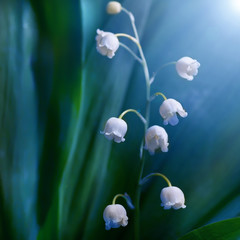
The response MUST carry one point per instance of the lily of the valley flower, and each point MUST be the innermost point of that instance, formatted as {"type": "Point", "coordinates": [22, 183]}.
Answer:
{"type": "Point", "coordinates": [107, 43]}
{"type": "Point", "coordinates": [115, 129]}
{"type": "Point", "coordinates": [172, 197]}
{"type": "Point", "coordinates": [155, 138]}
{"type": "Point", "coordinates": [169, 109]}
{"type": "Point", "coordinates": [114, 7]}
{"type": "Point", "coordinates": [115, 215]}
{"type": "Point", "coordinates": [187, 68]}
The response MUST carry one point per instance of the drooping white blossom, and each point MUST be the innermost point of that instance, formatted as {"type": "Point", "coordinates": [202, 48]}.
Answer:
{"type": "Point", "coordinates": [115, 215]}
{"type": "Point", "coordinates": [156, 138]}
{"type": "Point", "coordinates": [169, 110]}
{"type": "Point", "coordinates": [172, 197]}
{"type": "Point", "coordinates": [115, 129]}
{"type": "Point", "coordinates": [187, 68]}
{"type": "Point", "coordinates": [114, 7]}
{"type": "Point", "coordinates": [107, 43]}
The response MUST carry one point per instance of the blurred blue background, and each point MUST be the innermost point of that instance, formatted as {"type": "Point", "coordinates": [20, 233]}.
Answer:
{"type": "Point", "coordinates": [56, 92]}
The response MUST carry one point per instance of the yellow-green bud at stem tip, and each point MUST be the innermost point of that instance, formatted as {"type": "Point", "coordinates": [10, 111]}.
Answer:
{"type": "Point", "coordinates": [114, 7]}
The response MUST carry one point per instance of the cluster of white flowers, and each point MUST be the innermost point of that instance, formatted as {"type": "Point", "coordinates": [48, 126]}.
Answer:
{"type": "Point", "coordinates": [156, 138]}
{"type": "Point", "coordinates": [115, 215]}
{"type": "Point", "coordinates": [107, 44]}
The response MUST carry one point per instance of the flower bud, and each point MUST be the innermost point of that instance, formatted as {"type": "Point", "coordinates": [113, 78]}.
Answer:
{"type": "Point", "coordinates": [155, 138]}
{"type": "Point", "coordinates": [114, 7]}
{"type": "Point", "coordinates": [115, 129]}
{"type": "Point", "coordinates": [169, 109]}
{"type": "Point", "coordinates": [187, 68]}
{"type": "Point", "coordinates": [115, 215]}
{"type": "Point", "coordinates": [172, 197]}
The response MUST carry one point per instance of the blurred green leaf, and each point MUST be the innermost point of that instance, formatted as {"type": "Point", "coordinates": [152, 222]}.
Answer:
{"type": "Point", "coordinates": [18, 140]}
{"type": "Point", "coordinates": [227, 229]}
{"type": "Point", "coordinates": [60, 39]}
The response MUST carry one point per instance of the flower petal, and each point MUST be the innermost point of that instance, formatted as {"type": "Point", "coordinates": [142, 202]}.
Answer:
{"type": "Point", "coordinates": [173, 120]}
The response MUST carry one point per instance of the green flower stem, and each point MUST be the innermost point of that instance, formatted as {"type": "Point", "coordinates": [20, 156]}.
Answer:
{"type": "Point", "coordinates": [145, 179]}
{"type": "Point", "coordinates": [132, 22]}
{"type": "Point", "coordinates": [137, 113]}
{"type": "Point", "coordinates": [137, 199]}
{"type": "Point", "coordinates": [115, 198]}
{"type": "Point", "coordinates": [147, 115]}
{"type": "Point", "coordinates": [142, 159]}
{"type": "Point", "coordinates": [131, 52]}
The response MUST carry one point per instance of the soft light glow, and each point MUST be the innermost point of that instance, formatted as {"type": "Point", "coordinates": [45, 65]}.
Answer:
{"type": "Point", "coordinates": [236, 5]}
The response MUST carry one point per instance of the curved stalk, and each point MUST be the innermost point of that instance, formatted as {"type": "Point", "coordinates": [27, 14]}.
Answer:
{"type": "Point", "coordinates": [129, 37]}
{"type": "Point", "coordinates": [165, 65]}
{"type": "Point", "coordinates": [136, 112]}
{"type": "Point", "coordinates": [159, 94]}
{"type": "Point", "coordinates": [145, 179]}
{"type": "Point", "coordinates": [131, 52]}
{"type": "Point", "coordinates": [160, 68]}
{"type": "Point", "coordinates": [115, 198]}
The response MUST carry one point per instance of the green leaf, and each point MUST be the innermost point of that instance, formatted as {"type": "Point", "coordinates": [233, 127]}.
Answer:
{"type": "Point", "coordinates": [227, 229]}
{"type": "Point", "coordinates": [18, 139]}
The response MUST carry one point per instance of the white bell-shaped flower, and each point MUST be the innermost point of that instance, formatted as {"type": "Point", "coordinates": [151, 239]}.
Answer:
{"type": "Point", "coordinates": [169, 110]}
{"type": "Point", "coordinates": [172, 197]}
{"type": "Point", "coordinates": [115, 129]}
{"type": "Point", "coordinates": [187, 67]}
{"type": "Point", "coordinates": [115, 215]}
{"type": "Point", "coordinates": [107, 43]}
{"type": "Point", "coordinates": [155, 138]}
{"type": "Point", "coordinates": [114, 7]}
